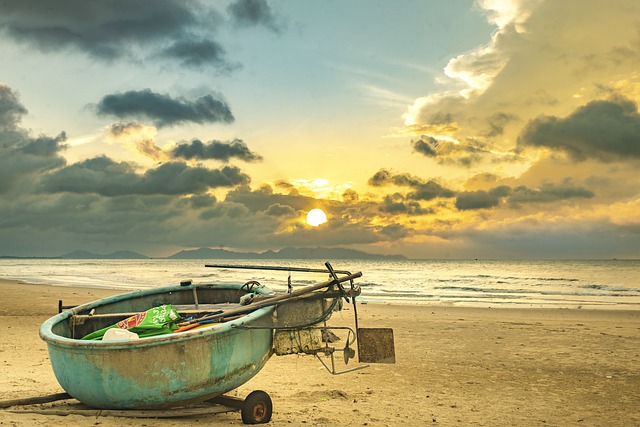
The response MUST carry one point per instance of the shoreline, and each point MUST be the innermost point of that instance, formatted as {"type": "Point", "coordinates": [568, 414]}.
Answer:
{"type": "Point", "coordinates": [551, 284]}
{"type": "Point", "coordinates": [455, 366]}
{"type": "Point", "coordinates": [364, 300]}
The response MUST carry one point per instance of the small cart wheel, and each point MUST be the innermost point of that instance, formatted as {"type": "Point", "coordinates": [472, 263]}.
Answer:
{"type": "Point", "coordinates": [257, 408]}
{"type": "Point", "coordinates": [249, 286]}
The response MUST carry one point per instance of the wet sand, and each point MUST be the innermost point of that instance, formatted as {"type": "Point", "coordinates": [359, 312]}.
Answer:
{"type": "Point", "coordinates": [455, 366]}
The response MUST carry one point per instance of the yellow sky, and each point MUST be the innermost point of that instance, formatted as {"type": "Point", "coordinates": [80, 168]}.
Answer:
{"type": "Point", "coordinates": [503, 129]}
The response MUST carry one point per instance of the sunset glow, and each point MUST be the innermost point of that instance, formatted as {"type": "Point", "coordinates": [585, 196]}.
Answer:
{"type": "Point", "coordinates": [517, 137]}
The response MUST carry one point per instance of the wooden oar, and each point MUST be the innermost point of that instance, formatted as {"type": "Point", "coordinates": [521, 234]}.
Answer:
{"type": "Point", "coordinates": [272, 300]}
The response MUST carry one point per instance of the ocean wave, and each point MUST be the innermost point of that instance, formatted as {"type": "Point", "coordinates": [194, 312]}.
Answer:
{"type": "Point", "coordinates": [567, 284]}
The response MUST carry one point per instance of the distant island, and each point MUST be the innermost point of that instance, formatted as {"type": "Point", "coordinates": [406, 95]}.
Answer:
{"type": "Point", "coordinates": [286, 253]}
{"type": "Point", "coordinates": [114, 255]}
{"type": "Point", "coordinates": [208, 253]}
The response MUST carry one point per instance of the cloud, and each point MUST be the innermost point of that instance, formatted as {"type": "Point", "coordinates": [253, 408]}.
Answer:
{"type": "Point", "coordinates": [564, 238]}
{"type": "Point", "coordinates": [23, 157]}
{"type": "Point", "coordinates": [423, 190]}
{"type": "Point", "coordinates": [481, 199]}
{"type": "Point", "coordinates": [397, 204]}
{"type": "Point", "coordinates": [97, 199]}
{"type": "Point", "coordinates": [350, 196]}
{"type": "Point", "coordinates": [386, 177]}
{"type": "Point", "coordinates": [604, 130]}
{"type": "Point", "coordinates": [349, 222]}
{"type": "Point", "coordinates": [11, 110]}
{"type": "Point", "coordinates": [263, 198]}
{"type": "Point", "coordinates": [426, 146]}
{"type": "Point", "coordinates": [548, 193]}
{"type": "Point", "coordinates": [497, 123]}
{"type": "Point", "coordinates": [542, 59]}
{"type": "Point", "coordinates": [105, 177]}
{"type": "Point", "coordinates": [119, 29]}
{"type": "Point", "coordinates": [251, 13]}
{"type": "Point", "coordinates": [164, 110]}
{"type": "Point", "coordinates": [280, 210]}
{"type": "Point", "coordinates": [519, 195]}
{"type": "Point", "coordinates": [465, 154]}
{"type": "Point", "coordinates": [215, 150]}
{"type": "Point", "coordinates": [200, 201]}
{"type": "Point", "coordinates": [198, 53]}
{"type": "Point", "coordinates": [396, 231]}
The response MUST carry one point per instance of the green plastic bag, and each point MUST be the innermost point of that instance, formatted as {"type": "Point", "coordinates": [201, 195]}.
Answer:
{"type": "Point", "coordinates": [155, 321]}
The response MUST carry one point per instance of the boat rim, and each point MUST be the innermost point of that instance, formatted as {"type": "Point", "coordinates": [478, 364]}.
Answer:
{"type": "Point", "coordinates": [47, 334]}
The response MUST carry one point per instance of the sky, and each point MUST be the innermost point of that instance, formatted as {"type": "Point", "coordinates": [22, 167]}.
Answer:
{"type": "Point", "coordinates": [425, 128]}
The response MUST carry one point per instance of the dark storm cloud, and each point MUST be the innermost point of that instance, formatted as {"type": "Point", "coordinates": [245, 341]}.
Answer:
{"type": "Point", "coordinates": [164, 110]}
{"type": "Point", "coordinates": [105, 177]}
{"type": "Point", "coordinates": [604, 130]}
{"type": "Point", "coordinates": [22, 156]}
{"type": "Point", "coordinates": [198, 53]}
{"type": "Point", "coordinates": [216, 150]}
{"type": "Point", "coordinates": [480, 199]}
{"type": "Point", "coordinates": [11, 110]}
{"type": "Point", "coordinates": [280, 210]}
{"type": "Point", "coordinates": [423, 190]}
{"type": "Point", "coordinates": [202, 201]}
{"type": "Point", "coordinates": [548, 193]}
{"type": "Point", "coordinates": [517, 196]}
{"type": "Point", "coordinates": [44, 146]}
{"type": "Point", "coordinates": [396, 204]}
{"type": "Point", "coordinates": [385, 177]}
{"type": "Point", "coordinates": [430, 190]}
{"type": "Point", "coordinates": [426, 146]}
{"type": "Point", "coordinates": [116, 29]}
{"type": "Point", "coordinates": [251, 13]}
{"type": "Point", "coordinates": [263, 198]}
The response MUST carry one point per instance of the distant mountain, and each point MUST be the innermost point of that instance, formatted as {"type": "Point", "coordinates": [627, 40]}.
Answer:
{"type": "Point", "coordinates": [114, 255]}
{"type": "Point", "coordinates": [325, 253]}
{"type": "Point", "coordinates": [208, 253]}
{"type": "Point", "coordinates": [126, 255]}
{"type": "Point", "coordinates": [205, 253]}
{"type": "Point", "coordinates": [286, 253]}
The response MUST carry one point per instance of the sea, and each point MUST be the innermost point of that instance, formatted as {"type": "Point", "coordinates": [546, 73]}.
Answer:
{"type": "Point", "coordinates": [575, 284]}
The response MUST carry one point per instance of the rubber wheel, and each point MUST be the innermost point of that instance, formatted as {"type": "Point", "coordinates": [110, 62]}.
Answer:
{"type": "Point", "coordinates": [257, 408]}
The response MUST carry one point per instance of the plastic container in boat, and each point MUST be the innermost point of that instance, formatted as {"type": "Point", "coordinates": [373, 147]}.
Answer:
{"type": "Point", "coordinates": [117, 334]}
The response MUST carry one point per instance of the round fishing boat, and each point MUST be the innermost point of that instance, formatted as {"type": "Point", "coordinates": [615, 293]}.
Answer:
{"type": "Point", "coordinates": [159, 371]}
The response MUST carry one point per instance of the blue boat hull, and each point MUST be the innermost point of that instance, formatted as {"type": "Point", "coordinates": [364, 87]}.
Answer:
{"type": "Point", "coordinates": [163, 371]}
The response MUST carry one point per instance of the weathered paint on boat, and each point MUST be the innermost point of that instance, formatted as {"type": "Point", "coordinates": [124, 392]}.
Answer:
{"type": "Point", "coordinates": [162, 371]}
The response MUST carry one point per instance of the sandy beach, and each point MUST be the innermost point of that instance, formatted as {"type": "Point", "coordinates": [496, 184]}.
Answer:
{"type": "Point", "coordinates": [455, 366]}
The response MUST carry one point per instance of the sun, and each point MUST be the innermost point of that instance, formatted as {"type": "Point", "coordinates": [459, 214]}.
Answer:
{"type": "Point", "coordinates": [315, 217]}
